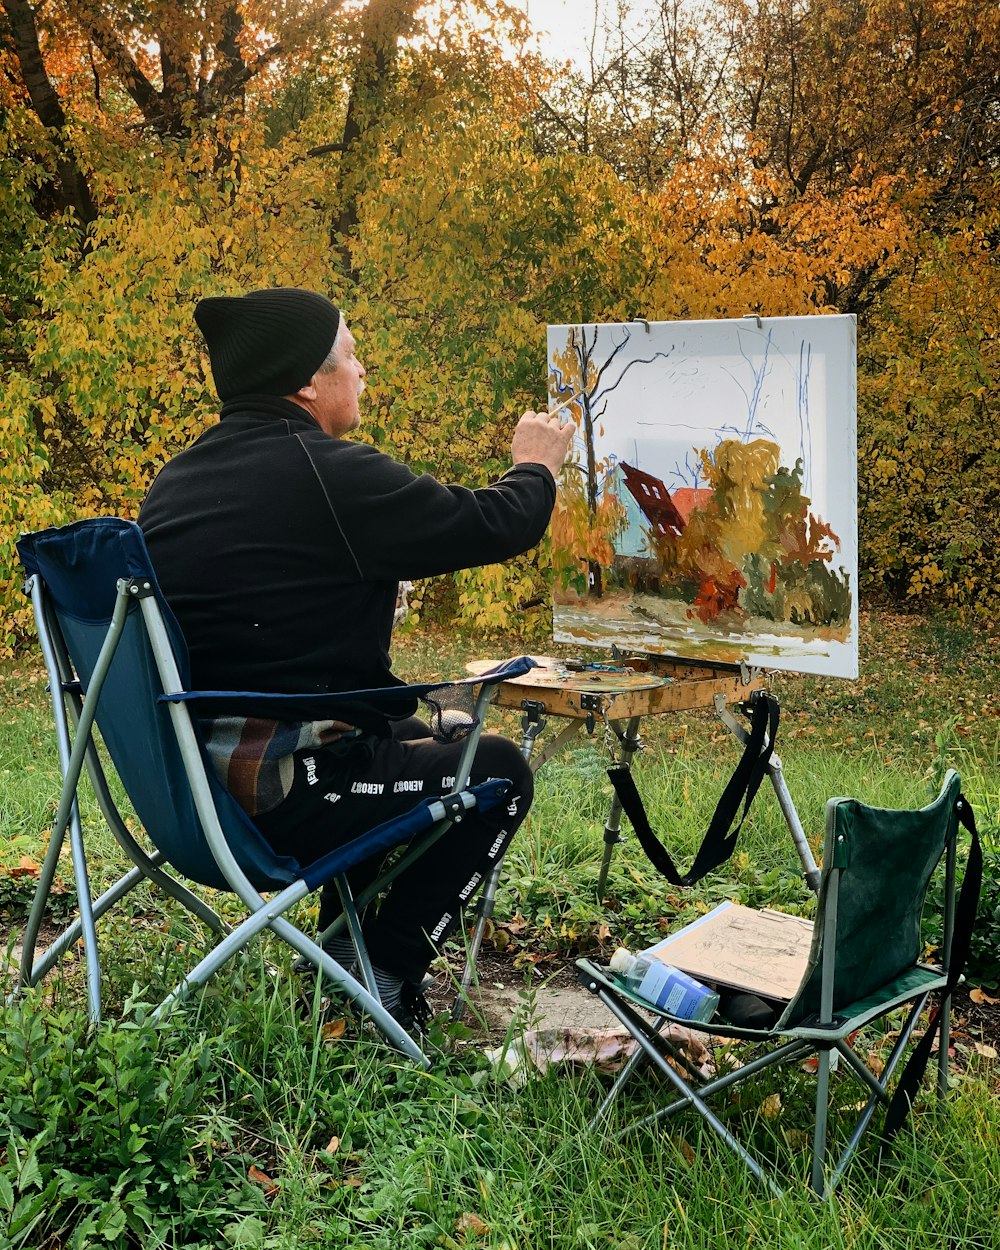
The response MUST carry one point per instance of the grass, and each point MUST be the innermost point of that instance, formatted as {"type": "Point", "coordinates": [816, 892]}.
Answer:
{"type": "Point", "coordinates": [245, 1124]}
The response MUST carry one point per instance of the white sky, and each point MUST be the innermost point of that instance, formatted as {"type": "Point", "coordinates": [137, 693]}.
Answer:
{"type": "Point", "coordinates": [566, 27]}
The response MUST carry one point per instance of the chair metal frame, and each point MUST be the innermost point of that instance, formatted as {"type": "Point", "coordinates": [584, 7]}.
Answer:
{"type": "Point", "coordinates": [825, 1033]}
{"type": "Point", "coordinates": [76, 710]}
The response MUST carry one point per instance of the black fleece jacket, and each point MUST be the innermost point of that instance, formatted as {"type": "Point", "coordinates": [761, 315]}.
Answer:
{"type": "Point", "coordinates": [280, 548]}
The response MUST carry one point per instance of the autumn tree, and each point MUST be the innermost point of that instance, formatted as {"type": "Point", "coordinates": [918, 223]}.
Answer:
{"type": "Point", "coordinates": [786, 156]}
{"type": "Point", "coordinates": [645, 92]}
{"type": "Point", "coordinates": [753, 547]}
{"type": "Point", "coordinates": [458, 272]}
{"type": "Point", "coordinates": [807, 127]}
{"type": "Point", "coordinates": [592, 365]}
{"type": "Point", "coordinates": [835, 156]}
{"type": "Point", "coordinates": [930, 449]}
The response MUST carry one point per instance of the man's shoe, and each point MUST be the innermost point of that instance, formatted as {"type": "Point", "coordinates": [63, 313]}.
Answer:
{"type": "Point", "coordinates": [414, 1012]}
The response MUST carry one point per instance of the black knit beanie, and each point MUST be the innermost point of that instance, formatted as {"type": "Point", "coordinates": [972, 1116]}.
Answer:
{"type": "Point", "coordinates": [267, 342]}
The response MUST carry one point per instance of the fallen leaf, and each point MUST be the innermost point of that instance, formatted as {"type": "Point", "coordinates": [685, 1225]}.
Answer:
{"type": "Point", "coordinates": [262, 1179]}
{"type": "Point", "coordinates": [770, 1108]}
{"type": "Point", "coordinates": [25, 868]}
{"type": "Point", "coordinates": [876, 1063]}
{"type": "Point", "coordinates": [988, 1052]}
{"type": "Point", "coordinates": [332, 1146]}
{"type": "Point", "coordinates": [980, 996]}
{"type": "Point", "coordinates": [470, 1225]}
{"type": "Point", "coordinates": [686, 1149]}
{"type": "Point", "coordinates": [333, 1029]}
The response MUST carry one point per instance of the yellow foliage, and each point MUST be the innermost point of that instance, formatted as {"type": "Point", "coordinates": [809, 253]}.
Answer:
{"type": "Point", "coordinates": [737, 475]}
{"type": "Point", "coordinates": [929, 456]}
{"type": "Point", "coordinates": [474, 233]}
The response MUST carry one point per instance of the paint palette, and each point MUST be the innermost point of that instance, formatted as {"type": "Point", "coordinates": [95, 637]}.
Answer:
{"type": "Point", "coordinates": [642, 686]}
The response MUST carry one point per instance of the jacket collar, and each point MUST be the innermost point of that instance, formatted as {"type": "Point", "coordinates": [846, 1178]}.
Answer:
{"type": "Point", "coordinates": [268, 407]}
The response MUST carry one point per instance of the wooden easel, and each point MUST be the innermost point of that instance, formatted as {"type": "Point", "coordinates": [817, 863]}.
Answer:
{"type": "Point", "coordinates": [619, 695]}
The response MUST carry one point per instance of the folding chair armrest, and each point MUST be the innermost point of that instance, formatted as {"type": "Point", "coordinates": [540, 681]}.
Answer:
{"type": "Point", "coordinates": [379, 695]}
{"type": "Point", "coordinates": [506, 670]}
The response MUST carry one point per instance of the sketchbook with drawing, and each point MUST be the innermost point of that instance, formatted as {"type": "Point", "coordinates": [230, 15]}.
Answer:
{"type": "Point", "coordinates": [757, 950]}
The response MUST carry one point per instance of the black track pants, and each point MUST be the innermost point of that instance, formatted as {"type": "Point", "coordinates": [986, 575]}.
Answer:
{"type": "Point", "coordinates": [334, 799]}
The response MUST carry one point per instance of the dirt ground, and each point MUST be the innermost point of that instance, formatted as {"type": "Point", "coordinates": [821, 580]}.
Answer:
{"type": "Point", "coordinates": [557, 1000]}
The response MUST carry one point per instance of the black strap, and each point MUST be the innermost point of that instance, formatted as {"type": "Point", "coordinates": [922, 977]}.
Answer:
{"type": "Point", "coordinates": [718, 843]}
{"type": "Point", "coordinates": [965, 918]}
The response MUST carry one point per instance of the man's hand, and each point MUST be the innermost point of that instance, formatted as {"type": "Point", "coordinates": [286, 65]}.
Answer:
{"type": "Point", "coordinates": [541, 439]}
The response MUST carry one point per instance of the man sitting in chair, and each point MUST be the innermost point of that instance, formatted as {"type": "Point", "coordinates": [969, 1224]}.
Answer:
{"type": "Point", "coordinates": [280, 546]}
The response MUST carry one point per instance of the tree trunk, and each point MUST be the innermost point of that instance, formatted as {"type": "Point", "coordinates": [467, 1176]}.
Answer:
{"type": "Point", "coordinates": [70, 184]}
{"type": "Point", "coordinates": [385, 23]}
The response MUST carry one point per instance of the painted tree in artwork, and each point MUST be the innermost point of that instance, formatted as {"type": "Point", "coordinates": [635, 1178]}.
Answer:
{"type": "Point", "coordinates": [592, 370]}
{"type": "Point", "coordinates": [712, 547]}
{"type": "Point", "coordinates": [792, 577]}
{"type": "Point", "coordinates": [582, 539]}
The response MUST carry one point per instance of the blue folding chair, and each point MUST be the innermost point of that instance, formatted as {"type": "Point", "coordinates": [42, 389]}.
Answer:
{"type": "Point", "coordinates": [116, 658]}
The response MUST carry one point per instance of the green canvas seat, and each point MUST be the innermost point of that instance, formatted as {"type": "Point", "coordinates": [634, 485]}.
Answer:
{"type": "Point", "coordinates": [864, 962]}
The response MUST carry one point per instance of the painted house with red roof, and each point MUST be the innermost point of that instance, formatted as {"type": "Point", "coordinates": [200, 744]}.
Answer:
{"type": "Point", "coordinates": [687, 498]}
{"type": "Point", "coordinates": [654, 501]}
{"type": "Point", "coordinates": [651, 509]}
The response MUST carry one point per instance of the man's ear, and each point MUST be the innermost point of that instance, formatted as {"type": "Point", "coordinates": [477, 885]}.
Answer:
{"type": "Point", "coordinates": [307, 392]}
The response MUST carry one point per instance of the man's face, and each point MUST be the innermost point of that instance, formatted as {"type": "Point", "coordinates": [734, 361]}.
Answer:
{"type": "Point", "coordinates": [335, 406]}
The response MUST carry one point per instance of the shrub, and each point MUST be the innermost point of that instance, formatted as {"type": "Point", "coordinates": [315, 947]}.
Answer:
{"type": "Point", "coordinates": [98, 1125]}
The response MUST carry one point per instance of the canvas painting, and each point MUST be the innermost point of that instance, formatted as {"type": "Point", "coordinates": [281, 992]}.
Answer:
{"type": "Point", "coordinates": [710, 508]}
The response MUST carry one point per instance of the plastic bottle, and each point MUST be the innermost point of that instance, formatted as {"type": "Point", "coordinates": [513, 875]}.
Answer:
{"type": "Point", "coordinates": [664, 986]}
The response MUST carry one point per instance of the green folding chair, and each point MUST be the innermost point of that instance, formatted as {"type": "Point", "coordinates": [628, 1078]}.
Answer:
{"type": "Point", "coordinates": [864, 963]}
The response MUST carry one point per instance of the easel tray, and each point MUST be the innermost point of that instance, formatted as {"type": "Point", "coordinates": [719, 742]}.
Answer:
{"type": "Point", "coordinates": [642, 685]}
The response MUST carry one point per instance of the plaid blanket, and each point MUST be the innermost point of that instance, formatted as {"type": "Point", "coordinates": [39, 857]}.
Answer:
{"type": "Point", "coordinates": [254, 758]}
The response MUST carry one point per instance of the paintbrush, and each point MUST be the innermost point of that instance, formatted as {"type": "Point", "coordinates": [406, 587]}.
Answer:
{"type": "Point", "coordinates": [565, 404]}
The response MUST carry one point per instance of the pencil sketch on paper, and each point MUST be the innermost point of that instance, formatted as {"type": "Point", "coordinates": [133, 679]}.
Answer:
{"type": "Point", "coordinates": [756, 949]}
{"type": "Point", "coordinates": [710, 507]}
